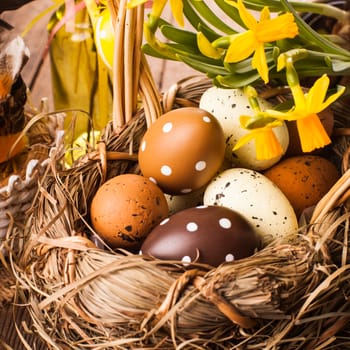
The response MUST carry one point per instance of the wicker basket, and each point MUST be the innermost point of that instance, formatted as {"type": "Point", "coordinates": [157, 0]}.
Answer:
{"type": "Point", "coordinates": [19, 186]}
{"type": "Point", "coordinates": [293, 294]}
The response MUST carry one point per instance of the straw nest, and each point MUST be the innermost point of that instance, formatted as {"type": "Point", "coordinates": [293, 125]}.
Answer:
{"type": "Point", "coordinates": [19, 175]}
{"type": "Point", "coordinates": [293, 294]}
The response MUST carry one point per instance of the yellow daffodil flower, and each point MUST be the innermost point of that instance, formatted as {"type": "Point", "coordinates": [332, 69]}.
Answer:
{"type": "Point", "coordinates": [306, 108]}
{"type": "Point", "coordinates": [260, 126]}
{"type": "Point", "coordinates": [158, 7]}
{"type": "Point", "coordinates": [206, 48]}
{"type": "Point", "coordinates": [266, 143]}
{"type": "Point", "coordinates": [266, 30]}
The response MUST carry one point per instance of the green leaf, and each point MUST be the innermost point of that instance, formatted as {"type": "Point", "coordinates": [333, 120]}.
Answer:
{"type": "Point", "coordinates": [230, 11]}
{"type": "Point", "coordinates": [310, 35]}
{"type": "Point", "coordinates": [209, 16]}
{"type": "Point", "coordinates": [203, 67]}
{"type": "Point", "coordinates": [151, 51]}
{"type": "Point", "coordinates": [245, 66]}
{"type": "Point", "coordinates": [196, 21]}
{"type": "Point", "coordinates": [318, 7]}
{"type": "Point", "coordinates": [179, 35]}
{"type": "Point", "coordinates": [237, 80]}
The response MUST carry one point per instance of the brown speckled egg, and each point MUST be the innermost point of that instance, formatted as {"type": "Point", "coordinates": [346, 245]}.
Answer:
{"type": "Point", "coordinates": [126, 208]}
{"type": "Point", "coordinates": [182, 150]}
{"type": "Point", "coordinates": [204, 234]}
{"type": "Point", "coordinates": [303, 179]}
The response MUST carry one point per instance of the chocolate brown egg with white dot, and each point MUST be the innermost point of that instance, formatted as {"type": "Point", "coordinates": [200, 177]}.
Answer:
{"type": "Point", "coordinates": [205, 234]}
{"type": "Point", "coordinates": [182, 150]}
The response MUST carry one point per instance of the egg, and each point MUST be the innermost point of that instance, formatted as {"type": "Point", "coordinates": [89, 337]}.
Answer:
{"type": "Point", "coordinates": [303, 179]}
{"type": "Point", "coordinates": [227, 105]}
{"type": "Point", "coordinates": [257, 198]}
{"type": "Point", "coordinates": [182, 150]}
{"type": "Point", "coordinates": [104, 38]}
{"type": "Point", "coordinates": [126, 208]}
{"type": "Point", "coordinates": [204, 234]}
{"type": "Point", "coordinates": [193, 199]}
{"type": "Point", "coordinates": [180, 202]}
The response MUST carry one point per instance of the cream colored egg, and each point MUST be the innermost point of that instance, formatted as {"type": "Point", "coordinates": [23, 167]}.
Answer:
{"type": "Point", "coordinates": [227, 105]}
{"type": "Point", "coordinates": [177, 203]}
{"type": "Point", "coordinates": [257, 198]}
{"type": "Point", "coordinates": [193, 199]}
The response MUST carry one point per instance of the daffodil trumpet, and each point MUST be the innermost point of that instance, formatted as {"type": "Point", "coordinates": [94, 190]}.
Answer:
{"type": "Point", "coordinates": [258, 33]}
{"type": "Point", "coordinates": [260, 126]}
{"type": "Point", "coordinates": [267, 145]}
{"type": "Point", "coordinates": [307, 106]}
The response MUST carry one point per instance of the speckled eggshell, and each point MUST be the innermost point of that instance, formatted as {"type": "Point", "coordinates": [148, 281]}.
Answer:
{"type": "Point", "coordinates": [126, 208]}
{"type": "Point", "coordinates": [255, 197]}
{"type": "Point", "coordinates": [206, 234]}
{"type": "Point", "coordinates": [182, 150]}
{"type": "Point", "coordinates": [177, 203]}
{"type": "Point", "coordinates": [227, 105]}
{"type": "Point", "coordinates": [304, 179]}
{"type": "Point", "coordinates": [194, 199]}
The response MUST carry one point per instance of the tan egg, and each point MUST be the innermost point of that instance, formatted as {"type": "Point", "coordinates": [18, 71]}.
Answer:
{"type": "Point", "coordinates": [182, 150]}
{"type": "Point", "coordinates": [303, 179]}
{"type": "Point", "coordinates": [126, 208]}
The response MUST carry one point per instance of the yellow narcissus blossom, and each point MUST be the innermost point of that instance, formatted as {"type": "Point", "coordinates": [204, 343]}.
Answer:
{"type": "Point", "coordinates": [306, 108]}
{"type": "Point", "coordinates": [206, 48]}
{"type": "Point", "coordinates": [158, 7]}
{"type": "Point", "coordinates": [266, 30]}
{"type": "Point", "coordinates": [260, 126]}
{"type": "Point", "coordinates": [267, 145]}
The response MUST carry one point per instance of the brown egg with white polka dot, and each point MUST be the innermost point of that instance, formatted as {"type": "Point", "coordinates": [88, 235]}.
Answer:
{"type": "Point", "coordinates": [182, 150]}
{"type": "Point", "coordinates": [205, 234]}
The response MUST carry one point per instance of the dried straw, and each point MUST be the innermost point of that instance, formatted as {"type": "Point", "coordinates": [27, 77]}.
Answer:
{"type": "Point", "coordinates": [293, 294]}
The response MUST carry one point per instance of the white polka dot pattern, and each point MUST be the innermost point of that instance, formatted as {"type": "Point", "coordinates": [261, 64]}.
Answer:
{"type": "Point", "coordinates": [167, 127]}
{"type": "Point", "coordinates": [184, 150]}
{"type": "Point", "coordinates": [186, 260]}
{"type": "Point", "coordinates": [206, 119]}
{"type": "Point", "coordinates": [229, 257]}
{"type": "Point", "coordinates": [166, 170]}
{"type": "Point", "coordinates": [164, 221]}
{"type": "Point", "coordinates": [225, 223]}
{"type": "Point", "coordinates": [204, 234]}
{"type": "Point", "coordinates": [191, 227]}
{"type": "Point", "coordinates": [153, 180]}
{"type": "Point", "coordinates": [201, 165]}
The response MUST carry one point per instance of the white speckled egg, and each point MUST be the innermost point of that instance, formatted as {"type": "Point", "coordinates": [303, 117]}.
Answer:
{"type": "Point", "coordinates": [180, 202]}
{"type": "Point", "coordinates": [177, 203]}
{"type": "Point", "coordinates": [255, 197]}
{"type": "Point", "coordinates": [227, 105]}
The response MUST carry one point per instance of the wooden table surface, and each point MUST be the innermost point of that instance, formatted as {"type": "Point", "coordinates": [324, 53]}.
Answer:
{"type": "Point", "coordinates": [165, 74]}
